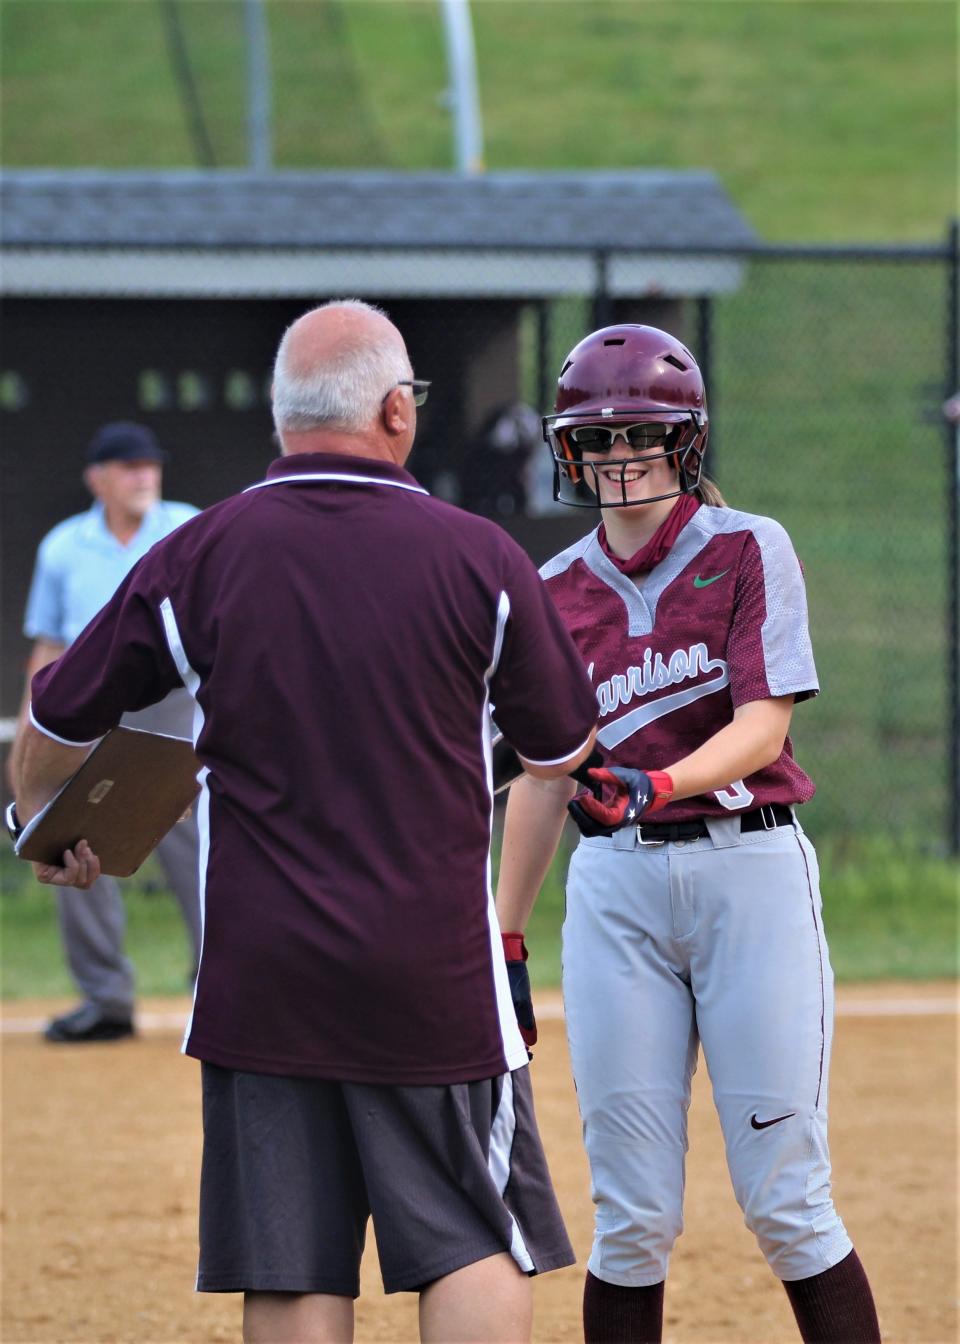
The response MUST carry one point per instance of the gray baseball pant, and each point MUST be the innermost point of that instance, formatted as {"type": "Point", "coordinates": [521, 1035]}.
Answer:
{"type": "Point", "coordinates": [716, 942]}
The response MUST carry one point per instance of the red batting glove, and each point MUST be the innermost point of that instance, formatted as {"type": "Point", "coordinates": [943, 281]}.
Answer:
{"type": "Point", "coordinates": [620, 797]}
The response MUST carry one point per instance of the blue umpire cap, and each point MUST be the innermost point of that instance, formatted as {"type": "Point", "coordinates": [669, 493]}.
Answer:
{"type": "Point", "coordinates": [124, 441]}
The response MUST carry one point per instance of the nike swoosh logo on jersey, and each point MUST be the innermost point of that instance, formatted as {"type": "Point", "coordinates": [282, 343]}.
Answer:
{"type": "Point", "coordinates": [705, 583]}
{"type": "Point", "coordinates": [765, 1124]}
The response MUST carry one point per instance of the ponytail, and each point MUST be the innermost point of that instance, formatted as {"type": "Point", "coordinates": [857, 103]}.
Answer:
{"type": "Point", "coordinates": [709, 494]}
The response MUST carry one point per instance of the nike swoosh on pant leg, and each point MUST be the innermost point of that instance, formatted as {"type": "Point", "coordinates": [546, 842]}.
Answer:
{"type": "Point", "coordinates": [765, 1124]}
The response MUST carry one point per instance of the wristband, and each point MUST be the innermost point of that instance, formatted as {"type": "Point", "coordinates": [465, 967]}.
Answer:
{"type": "Point", "coordinates": [514, 948]}
{"type": "Point", "coordinates": [662, 790]}
{"type": "Point", "coordinates": [14, 829]}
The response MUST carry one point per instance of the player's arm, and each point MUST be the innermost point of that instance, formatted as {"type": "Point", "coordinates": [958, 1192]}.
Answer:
{"type": "Point", "coordinates": [753, 739]}
{"type": "Point", "coordinates": [536, 810]}
{"type": "Point", "coordinates": [620, 797]}
{"type": "Point", "coordinates": [44, 651]}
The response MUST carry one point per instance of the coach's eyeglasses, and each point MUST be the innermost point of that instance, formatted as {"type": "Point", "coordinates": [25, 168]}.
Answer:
{"type": "Point", "coordinates": [601, 438]}
{"type": "Point", "coordinates": [419, 386]}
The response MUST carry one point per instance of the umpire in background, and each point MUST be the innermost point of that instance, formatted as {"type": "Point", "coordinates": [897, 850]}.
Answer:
{"type": "Point", "coordinates": [344, 636]}
{"type": "Point", "coordinates": [79, 565]}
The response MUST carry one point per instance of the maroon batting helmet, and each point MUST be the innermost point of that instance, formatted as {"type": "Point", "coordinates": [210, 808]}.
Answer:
{"type": "Point", "coordinates": [641, 380]}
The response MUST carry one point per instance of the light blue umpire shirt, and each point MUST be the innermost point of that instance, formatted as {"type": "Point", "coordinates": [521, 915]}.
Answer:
{"type": "Point", "coordinates": [80, 564]}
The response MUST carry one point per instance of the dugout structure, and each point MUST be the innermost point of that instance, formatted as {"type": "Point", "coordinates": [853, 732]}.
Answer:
{"type": "Point", "coordinates": [161, 297]}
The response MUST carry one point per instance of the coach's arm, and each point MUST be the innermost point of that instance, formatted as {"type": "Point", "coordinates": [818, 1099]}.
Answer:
{"type": "Point", "coordinates": [557, 769]}
{"type": "Point", "coordinates": [43, 652]}
{"type": "Point", "coordinates": [44, 766]}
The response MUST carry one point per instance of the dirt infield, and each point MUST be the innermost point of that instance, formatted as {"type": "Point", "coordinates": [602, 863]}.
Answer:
{"type": "Point", "coordinates": [101, 1150]}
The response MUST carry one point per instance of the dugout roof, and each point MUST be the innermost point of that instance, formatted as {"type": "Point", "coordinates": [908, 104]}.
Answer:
{"type": "Point", "coordinates": [517, 233]}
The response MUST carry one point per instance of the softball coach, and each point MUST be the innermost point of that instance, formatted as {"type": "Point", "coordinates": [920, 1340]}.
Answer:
{"type": "Point", "coordinates": [343, 636]}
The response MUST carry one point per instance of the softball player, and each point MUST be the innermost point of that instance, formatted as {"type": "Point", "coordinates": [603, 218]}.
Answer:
{"type": "Point", "coordinates": [693, 909]}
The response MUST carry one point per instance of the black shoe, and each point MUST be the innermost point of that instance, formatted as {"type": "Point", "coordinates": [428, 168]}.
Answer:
{"type": "Point", "coordinates": [87, 1023]}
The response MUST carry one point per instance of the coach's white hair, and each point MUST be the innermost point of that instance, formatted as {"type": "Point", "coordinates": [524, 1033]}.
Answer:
{"type": "Point", "coordinates": [346, 390]}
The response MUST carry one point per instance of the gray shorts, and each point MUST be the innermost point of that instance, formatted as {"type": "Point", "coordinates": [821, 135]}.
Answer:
{"type": "Point", "coordinates": [294, 1167]}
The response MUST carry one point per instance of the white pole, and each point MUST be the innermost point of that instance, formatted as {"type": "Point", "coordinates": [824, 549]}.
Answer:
{"type": "Point", "coordinates": [464, 95]}
{"type": "Point", "coordinates": [259, 149]}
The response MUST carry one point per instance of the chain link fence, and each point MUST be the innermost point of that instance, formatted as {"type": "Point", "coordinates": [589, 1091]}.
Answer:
{"type": "Point", "coordinates": [827, 371]}
{"type": "Point", "coordinates": [830, 374]}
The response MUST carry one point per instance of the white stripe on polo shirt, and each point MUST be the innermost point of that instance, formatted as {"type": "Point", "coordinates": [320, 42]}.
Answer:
{"type": "Point", "coordinates": [503, 615]}
{"type": "Point", "coordinates": [191, 679]}
{"type": "Point", "coordinates": [171, 630]}
{"type": "Point", "coordinates": [335, 476]}
{"type": "Point", "coordinates": [514, 1050]}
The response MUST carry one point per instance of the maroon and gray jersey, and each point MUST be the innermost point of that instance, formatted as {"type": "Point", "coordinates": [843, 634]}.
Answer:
{"type": "Point", "coordinates": [721, 621]}
{"type": "Point", "coordinates": [344, 636]}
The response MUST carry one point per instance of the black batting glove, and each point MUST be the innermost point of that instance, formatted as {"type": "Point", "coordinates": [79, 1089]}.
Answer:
{"type": "Point", "coordinates": [618, 796]}
{"type": "Point", "coordinates": [515, 952]}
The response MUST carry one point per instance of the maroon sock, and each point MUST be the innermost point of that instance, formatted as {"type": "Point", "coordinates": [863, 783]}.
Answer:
{"type": "Point", "coordinates": [835, 1307]}
{"type": "Point", "coordinates": [615, 1315]}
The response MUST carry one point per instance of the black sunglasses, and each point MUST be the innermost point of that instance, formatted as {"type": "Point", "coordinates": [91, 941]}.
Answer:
{"type": "Point", "coordinates": [601, 438]}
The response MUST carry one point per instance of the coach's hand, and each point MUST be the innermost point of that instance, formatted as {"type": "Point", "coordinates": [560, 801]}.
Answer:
{"type": "Point", "coordinates": [515, 951]}
{"type": "Point", "coordinates": [618, 797]}
{"type": "Point", "coordinates": [80, 868]}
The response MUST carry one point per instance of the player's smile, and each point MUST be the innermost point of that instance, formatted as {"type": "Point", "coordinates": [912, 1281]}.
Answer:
{"type": "Point", "coordinates": [622, 480]}
{"type": "Point", "coordinates": [625, 474]}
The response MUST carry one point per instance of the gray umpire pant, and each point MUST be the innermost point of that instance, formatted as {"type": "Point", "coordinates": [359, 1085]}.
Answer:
{"type": "Point", "coordinates": [93, 922]}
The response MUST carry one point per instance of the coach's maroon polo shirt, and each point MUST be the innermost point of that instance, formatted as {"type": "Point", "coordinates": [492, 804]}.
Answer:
{"type": "Point", "coordinates": [344, 635]}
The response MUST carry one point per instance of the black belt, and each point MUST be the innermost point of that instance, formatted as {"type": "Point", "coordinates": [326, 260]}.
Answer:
{"type": "Point", "coordinates": [766, 818]}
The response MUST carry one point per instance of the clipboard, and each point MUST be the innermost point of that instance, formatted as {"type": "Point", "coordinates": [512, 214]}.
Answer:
{"type": "Point", "coordinates": [130, 791]}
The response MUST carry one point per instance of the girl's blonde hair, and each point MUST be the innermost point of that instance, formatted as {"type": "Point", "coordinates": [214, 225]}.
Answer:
{"type": "Point", "coordinates": [709, 494]}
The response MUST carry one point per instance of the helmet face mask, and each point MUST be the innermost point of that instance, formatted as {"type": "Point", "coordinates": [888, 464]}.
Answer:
{"type": "Point", "coordinates": [626, 395]}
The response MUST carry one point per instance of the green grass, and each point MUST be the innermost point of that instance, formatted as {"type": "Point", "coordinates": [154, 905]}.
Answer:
{"type": "Point", "coordinates": [826, 119]}
{"type": "Point", "coordinates": [889, 912]}
{"type": "Point", "coordinates": [31, 959]}
{"type": "Point", "coordinates": [827, 376]}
